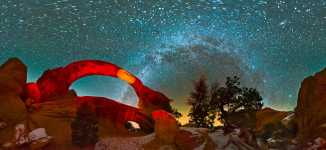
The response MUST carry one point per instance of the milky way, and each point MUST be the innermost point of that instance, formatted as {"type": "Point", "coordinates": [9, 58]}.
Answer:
{"type": "Point", "coordinates": [272, 45]}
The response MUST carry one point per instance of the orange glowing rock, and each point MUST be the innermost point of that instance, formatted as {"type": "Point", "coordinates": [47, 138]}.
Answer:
{"type": "Point", "coordinates": [166, 126]}
{"type": "Point", "coordinates": [126, 76]}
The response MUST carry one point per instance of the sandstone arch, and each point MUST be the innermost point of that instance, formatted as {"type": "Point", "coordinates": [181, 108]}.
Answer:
{"type": "Point", "coordinates": [56, 82]}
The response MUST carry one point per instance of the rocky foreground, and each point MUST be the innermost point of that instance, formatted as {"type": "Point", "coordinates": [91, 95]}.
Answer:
{"type": "Point", "coordinates": [168, 136]}
{"type": "Point", "coordinates": [303, 128]}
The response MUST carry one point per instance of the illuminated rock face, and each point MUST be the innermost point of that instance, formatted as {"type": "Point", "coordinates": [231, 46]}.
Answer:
{"type": "Point", "coordinates": [56, 82]}
{"type": "Point", "coordinates": [310, 112]}
{"type": "Point", "coordinates": [166, 126]}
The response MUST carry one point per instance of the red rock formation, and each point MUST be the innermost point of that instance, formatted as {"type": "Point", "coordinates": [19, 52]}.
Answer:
{"type": "Point", "coordinates": [310, 112]}
{"type": "Point", "coordinates": [56, 82]}
{"type": "Point", "coordinates": [51, 105]}
{"type": "Point", "coordinates": [166, 126]}
{"type": "Point", "coordinates": [12, 109]}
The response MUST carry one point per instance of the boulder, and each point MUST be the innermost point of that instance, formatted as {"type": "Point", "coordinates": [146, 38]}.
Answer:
{"type": "Point", "coordinates": [37, 134]}
{"type": "Point", "coordinates": [21, 136]}
{"type": "Point", "coordinates": [310, 112]}
{"type": "Point", "coordinates": [191, 138]}
{"type": "Point", "coordinates": [38, 139]}
{"type": "Point", "coordinates": [166, 126]}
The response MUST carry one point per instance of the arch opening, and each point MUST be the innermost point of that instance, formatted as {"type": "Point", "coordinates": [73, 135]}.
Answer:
{"type": "Point", "coordinates": [102, 86]}
{"type": "Point", "coordinates": [132, 126]}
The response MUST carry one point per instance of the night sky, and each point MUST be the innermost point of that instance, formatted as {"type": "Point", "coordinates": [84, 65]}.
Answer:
{"type": "Point", "coordinates": [271, 44]}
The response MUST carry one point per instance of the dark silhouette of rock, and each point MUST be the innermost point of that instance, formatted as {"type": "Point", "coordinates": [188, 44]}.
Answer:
{"type": "Point", "coordinates": [310, 112]}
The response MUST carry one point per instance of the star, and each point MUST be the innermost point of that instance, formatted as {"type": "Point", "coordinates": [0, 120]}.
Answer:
{"type": "Point", "coordinates": [272, 45]}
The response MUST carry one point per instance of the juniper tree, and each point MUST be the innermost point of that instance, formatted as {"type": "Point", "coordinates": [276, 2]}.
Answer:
{"type": "Point", "coordinates": [232, 99]}
{"type": "Point", "coordinates": [199, 114]}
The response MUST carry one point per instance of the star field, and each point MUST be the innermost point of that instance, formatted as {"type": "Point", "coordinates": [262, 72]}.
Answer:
{"type": "Point", "coordinates": [271, 44]}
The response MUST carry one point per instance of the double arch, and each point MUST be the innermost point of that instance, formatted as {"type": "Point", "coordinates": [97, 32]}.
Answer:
{"type": "Point", "coordinates": [56, 82]}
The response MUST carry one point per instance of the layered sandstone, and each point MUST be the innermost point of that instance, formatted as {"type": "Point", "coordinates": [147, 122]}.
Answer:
{"type": "Point", "coordinates": [310, 112]}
